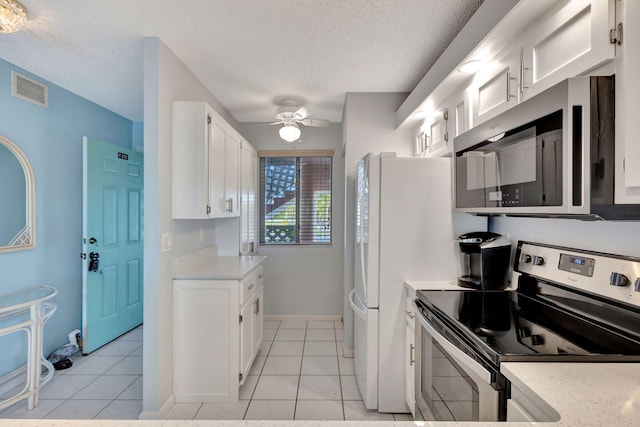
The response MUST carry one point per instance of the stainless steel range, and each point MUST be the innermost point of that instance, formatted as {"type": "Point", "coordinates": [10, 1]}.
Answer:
{"type": "Point", "coordinates": [569, 305]}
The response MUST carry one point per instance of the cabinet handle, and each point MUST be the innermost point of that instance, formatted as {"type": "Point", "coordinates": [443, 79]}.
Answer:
{"type": "Point", "coordinates": [251, 286]}
{"type": "Point", "coordinates": [410, 314]}
{"type": "Point", "coordinates": [260, 276]}
{"type": "Point", "coordinates": [412, 358]}
{"type": "Point", "coordinates": [523, 88]}
{"type": "Point", "coordinates": [230, 205]}
{"type": "Point", "coordinates": [257, 306]}
{"type": "Point", "coordinates": [509, 78]}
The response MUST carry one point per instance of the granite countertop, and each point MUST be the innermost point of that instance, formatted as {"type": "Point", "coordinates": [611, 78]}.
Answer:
{"type": "Point", "coordinates": [206, 264]}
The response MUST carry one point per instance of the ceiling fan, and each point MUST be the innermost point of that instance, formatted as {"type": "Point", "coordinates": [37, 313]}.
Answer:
{"type": "Point", "coordinates": [291, 115]}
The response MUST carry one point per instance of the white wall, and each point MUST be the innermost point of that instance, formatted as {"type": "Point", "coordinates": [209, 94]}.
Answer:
{"type": "Point", "coordinates": [166, 79]}
{"type": "Point", "coordinates": [604, 236]}
{"type": "Point", "coordinates": [305, 280]}
{"type": "Point", "coordinates": [369, 126]}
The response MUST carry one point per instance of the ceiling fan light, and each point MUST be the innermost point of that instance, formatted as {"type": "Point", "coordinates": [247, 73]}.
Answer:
{"type": "Point", "coordinates": [290, 132]}
{"type": "Point", "coordinates": [13, 15]}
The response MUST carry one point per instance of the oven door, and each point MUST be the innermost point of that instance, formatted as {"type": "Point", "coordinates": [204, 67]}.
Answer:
{"type": "Point", "coordinates": [450, 385]}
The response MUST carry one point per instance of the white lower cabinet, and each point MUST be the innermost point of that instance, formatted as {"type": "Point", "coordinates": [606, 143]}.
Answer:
{"type": "Point", "coordinates": [410, 357]}
{"type": "Point", "coordinates": [214, 347]}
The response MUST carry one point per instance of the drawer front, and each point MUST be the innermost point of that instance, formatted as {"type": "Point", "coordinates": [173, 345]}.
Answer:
{"type": "Point", "coordinates": [248, 286]}
{"type": "Point", "coordinates": [259, 272]}
{"type": "Point", "coordinates": [410, 311]}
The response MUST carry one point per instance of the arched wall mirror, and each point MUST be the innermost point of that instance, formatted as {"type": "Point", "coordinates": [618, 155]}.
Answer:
{"type": "Point", "coordinates": [17, 199]}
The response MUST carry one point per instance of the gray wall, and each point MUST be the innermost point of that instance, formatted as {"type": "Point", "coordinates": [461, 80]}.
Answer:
{"type": "Point", "coordinates": [305, 280]}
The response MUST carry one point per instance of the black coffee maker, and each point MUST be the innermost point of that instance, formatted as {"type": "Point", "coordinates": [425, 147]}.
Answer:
{"type": "Point", "coordinates": [485, 260]}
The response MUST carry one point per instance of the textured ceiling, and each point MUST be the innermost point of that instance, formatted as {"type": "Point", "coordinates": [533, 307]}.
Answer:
{"type": "Point", "coordinates": [248, 53]}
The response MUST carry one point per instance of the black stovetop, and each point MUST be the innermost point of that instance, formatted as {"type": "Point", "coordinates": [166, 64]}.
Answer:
{"type": "Point", "coordinates": [537, 322]}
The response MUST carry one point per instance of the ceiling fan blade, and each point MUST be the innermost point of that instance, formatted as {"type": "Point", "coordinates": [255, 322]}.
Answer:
{"type": "Point", "coordinates": [301, 113]}
{"type": "Point", "coordinates": [279, 122]}
{"type": "Point", "coordinates": [318, 123]}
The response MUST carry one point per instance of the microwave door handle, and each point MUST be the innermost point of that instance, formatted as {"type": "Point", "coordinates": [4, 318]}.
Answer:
{"type": "Point", "coordinates": [468, 363]}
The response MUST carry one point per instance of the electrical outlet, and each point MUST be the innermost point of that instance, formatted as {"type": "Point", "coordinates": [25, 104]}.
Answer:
{"type": "Point", "coordinates": [166, 242]}
{"type": "Point", "coordinates": [202, 234]}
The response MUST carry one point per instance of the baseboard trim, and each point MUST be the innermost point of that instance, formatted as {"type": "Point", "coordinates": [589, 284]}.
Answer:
{"type": "Point", "coordinates": [162, 413]}
{"type": "Point", "coordinates": [335, 318]}
{"type": "Point", "coordinates": [346, 352]}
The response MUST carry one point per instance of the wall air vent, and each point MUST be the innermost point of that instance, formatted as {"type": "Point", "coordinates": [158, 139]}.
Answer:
{"type": "Point", "coordinates": [29, 90]}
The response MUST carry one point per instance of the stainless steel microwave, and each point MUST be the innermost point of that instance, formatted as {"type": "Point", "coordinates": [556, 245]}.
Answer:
{"type": "Point", "coordinates": [551, 155]}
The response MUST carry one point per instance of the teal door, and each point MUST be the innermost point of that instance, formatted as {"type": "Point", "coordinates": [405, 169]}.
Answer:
{"type": "Point", "coordinates": [112, 297]}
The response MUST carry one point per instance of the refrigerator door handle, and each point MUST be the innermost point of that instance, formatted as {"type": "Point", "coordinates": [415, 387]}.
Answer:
{"type": "Point", "coordinates": [354, 305]}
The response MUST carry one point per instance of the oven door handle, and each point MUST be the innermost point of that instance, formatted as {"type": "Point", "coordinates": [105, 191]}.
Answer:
{"type": "Point", "coordinates": [455, 352]}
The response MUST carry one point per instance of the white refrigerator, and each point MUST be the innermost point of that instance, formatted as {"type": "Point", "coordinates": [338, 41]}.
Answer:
{"type": "Point", "coordinates": [404, 231]}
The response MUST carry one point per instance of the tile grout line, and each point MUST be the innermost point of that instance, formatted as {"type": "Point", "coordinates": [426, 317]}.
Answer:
{"type": "Point", "coordinates": [304, 344]}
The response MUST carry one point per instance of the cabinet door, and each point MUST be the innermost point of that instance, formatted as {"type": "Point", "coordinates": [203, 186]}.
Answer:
{"type": "Point", "coordinates": [410, 369]}
{"type": "Point", "coordinates": [627, 169]}
{"type": "Point", "coordinates": [189, 160]}
{"type": "Point", "coordinates": [258, 321]}
{"type": "Point", "coordinates": [246, 339]}
{"type": "Point", "coordinates": [232, 174]}
{"type": "Point", "coordinates": [439, 142]}
{"type": "Point", "coordinates": [570, 39]}
{"type": "Point", "coordinates": [217, 169]}
{"type": "Point", "coordinates": [248, 202]}
{"type": "Point", "coordinates": [205, 334]}
{"type": "Point", "coordinates": [253, 203]}
{"type": "Point", "coordinates": [495, 88]}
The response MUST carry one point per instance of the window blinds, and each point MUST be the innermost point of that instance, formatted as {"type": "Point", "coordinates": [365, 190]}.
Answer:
{"type": "Point", "coordinates": [296, 199]}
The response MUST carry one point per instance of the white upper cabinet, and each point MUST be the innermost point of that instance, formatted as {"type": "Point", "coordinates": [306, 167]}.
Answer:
{"type": "Point", "coordinates": [189, 160]}
{"type": "Point", "coordinates": [570, 39]}
{"type": "Point", "coordinates": [627, 167]}
{"type": "Point", "coordinates": [435, 137]}
{"type": "Point", "coordinates": [248, 199]}
{"type": "Point", "coordinates": [495, 88]}
{"type": "Point", "coordinates": [232, 173]}
{"type": "Point", "coordinates": [205, 163]}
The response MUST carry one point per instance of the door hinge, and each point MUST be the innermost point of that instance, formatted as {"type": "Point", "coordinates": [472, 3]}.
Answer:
{"type": "Point", "coordinates": [208, 119]}
{"type": "Point", "coordinates": [615, 34]}
{"type": "Point", "coordinates": [240, 319]}
{"type": "Point", "coordinates": [83, 255]}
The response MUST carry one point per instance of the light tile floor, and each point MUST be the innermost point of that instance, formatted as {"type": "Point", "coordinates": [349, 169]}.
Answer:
{"type": "Point", "coordinates": [299, 374]}
{"type": "Point", "coordinates": [106, 384]}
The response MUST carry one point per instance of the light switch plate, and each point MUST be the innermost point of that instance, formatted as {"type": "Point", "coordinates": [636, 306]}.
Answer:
{"type": "Point", "coordinates": [166, 242]}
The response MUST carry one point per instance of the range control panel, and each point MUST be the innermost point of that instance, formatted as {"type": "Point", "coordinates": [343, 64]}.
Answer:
{"type": "Point", "coordinates": [613, 276]}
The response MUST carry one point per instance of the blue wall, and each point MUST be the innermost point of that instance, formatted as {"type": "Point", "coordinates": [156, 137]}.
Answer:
{"type": "Point", "coordinates": [51, 138]}
{"type": "Point", "coordinates": [12, 196]}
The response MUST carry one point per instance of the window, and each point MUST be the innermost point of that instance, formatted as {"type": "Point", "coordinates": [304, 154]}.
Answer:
{"type": "Point", "coordinates": [295, 197]}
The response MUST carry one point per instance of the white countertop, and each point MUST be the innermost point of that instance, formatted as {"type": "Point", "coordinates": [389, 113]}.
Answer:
{"type": "Point", "coordinates": [431, 285]}
{"type": "Point", "coordinates": [206, 264]}
{"type": "Point", "coordinates": [584, 394]}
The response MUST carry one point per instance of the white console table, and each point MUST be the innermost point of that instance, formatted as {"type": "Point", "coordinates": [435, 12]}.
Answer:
{"type": "Point", "coordinates": [28, 311]}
